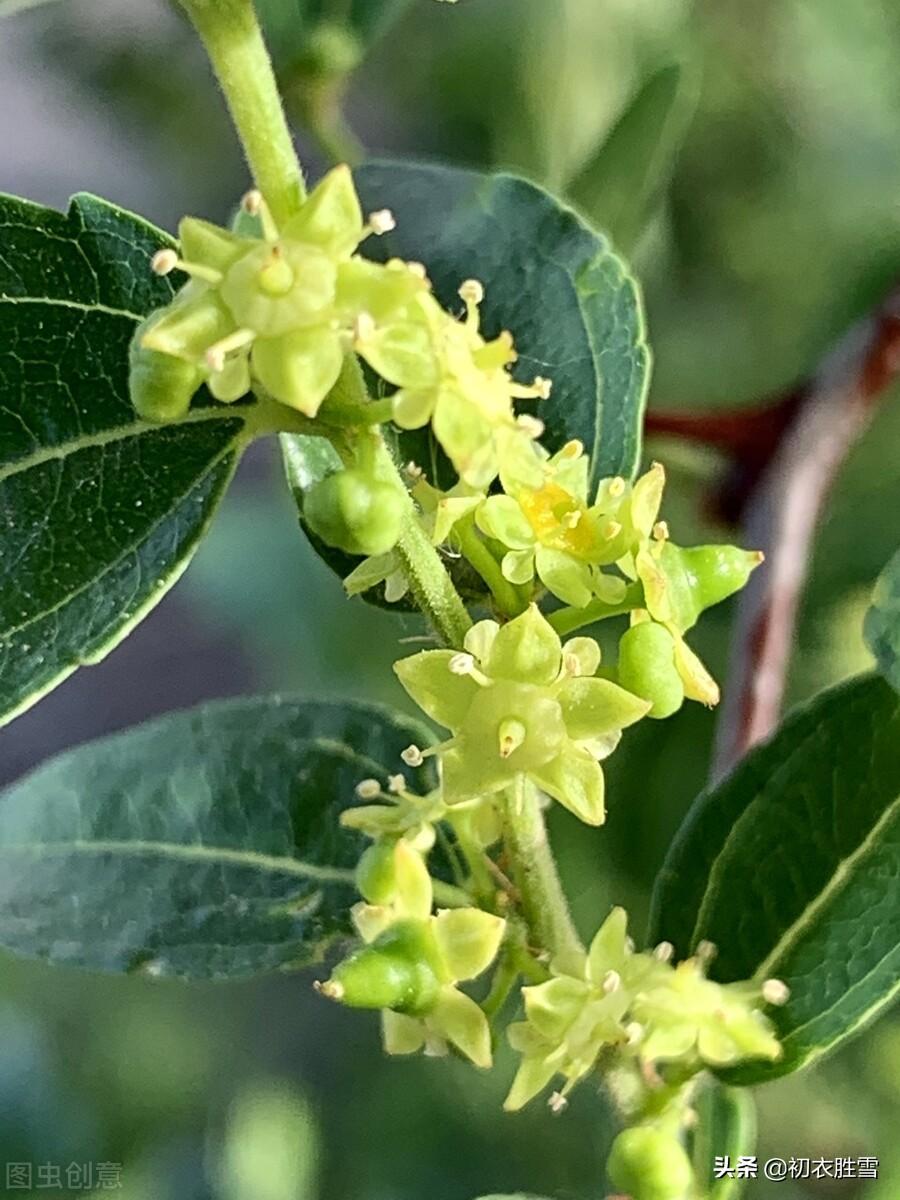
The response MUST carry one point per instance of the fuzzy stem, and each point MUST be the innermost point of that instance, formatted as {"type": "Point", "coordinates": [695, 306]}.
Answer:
{"type": "Point", "coordinates": [231, 34]}
{"type": "Point", "coordinates": [534, 870]}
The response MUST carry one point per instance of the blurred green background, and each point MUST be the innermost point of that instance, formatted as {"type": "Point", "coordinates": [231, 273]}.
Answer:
{"type": "Point", "coordinates": [780, 224]}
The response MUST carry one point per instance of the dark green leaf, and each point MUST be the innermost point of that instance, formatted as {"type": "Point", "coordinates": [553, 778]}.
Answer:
{"type": "Point", "coordinates": [726, 1126]}
{"type": "Point", "coordinates": [99, 513]}
{"type": "Point", "coordinates": [791, 866]}
{"type": "Point", "coordinates": [621, 186]}
{"type": "Point", "coordinates": [882, 624]}
{"type": "Point", "coordinates": [205, 844]}
{"type": "Point", "coordinates": [569, 301]}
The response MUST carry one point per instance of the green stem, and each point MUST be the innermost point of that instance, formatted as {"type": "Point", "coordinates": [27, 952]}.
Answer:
{"type": "Point", "coordinates": [505, 978]}
{"type": "Point", "coordinates": [478, 554]}
{"type": "Point", "coordinates": [231, 34]}
{"type": "Point", "coordinates": [447, 895]}
{"type": "Point", "coordinates": [543, 900]}
{"type": "Point", "coordinates": [431, 586]}
{"type": "Point", "coordinates": [567, 620]}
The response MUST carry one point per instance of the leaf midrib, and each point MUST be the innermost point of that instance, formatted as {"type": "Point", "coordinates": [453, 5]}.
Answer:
{"type": "Point", "coordinates": [78, 305]}
{"type": "Point", "coordinates": [194, 852]}
{"type": "Point", "coordinates": [13, 631]}
{"type": "Point", "coordinates": [843, 873]}
{"type": "Point", "coordinates": [118, 433]}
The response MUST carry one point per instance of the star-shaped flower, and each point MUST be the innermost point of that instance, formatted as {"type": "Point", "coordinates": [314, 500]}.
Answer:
{"type": "Point", "coordinates": [449, 375]}
{"type": "Point", "coordinates": [279, 308]}
{"type": "Point", "coordinates": [551, 529]}
{"type": "Point", "coordinates": [519, 703]}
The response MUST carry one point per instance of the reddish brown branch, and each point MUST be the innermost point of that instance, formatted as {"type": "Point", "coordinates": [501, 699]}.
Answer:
{"type": "Point", "coordinates": [784, 457]}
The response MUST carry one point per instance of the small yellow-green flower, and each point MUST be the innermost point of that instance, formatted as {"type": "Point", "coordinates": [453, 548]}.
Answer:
{"type": "Point", "coordinates": [641, 1002]}
{"type": "Point", "coordinates": [552, 531]}
{"type": "Point", "coordinates": [519, 703]}
{"type": "Point", "coordinates": [685, 1014]}
{"type": "Point", "coordinates": [279, 308]}
{"type": "Point", "coordinates": [449, 375]}
{"type": "Point", "coordinates": [412, 962]}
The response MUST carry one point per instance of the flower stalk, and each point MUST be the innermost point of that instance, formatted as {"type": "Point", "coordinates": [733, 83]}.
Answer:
{"type": "Point", "coordinates": [543, 899]}
{"type": "Point", "coordinates": [230, 32]}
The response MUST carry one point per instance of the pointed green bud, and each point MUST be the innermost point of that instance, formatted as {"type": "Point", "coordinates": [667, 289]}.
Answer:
{"type": "Point", "coordinates": [354, 512]}
{"type": "Point", "coordinates": [650, 1163]}
{"type": "Point", "coordinates": [161, 387]}
{"type": "Point", "coordinates": [399, 970]}
{"type": "Point", "coordinates": [714, 572]}
{"type": "Point", "coordinates": [647, 668]}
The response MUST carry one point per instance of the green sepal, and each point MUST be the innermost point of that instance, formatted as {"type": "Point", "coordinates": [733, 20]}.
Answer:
{"type": "Point", "coordinates": [595, 707]}
{"type": "Point", "coordinates": [210, 245]}
{"type": "Point", "coordinates": [468, 940]}
{"type": "Point", "coordinates": [331, 218]}
{"type": "Point", "coordinates": [527, 650]}
{"type": "Point", "coordinates": [193, 322]}
{"type": "Point", "coordinates": [575, 779]}
{"type": "Point", "coordinates": [299, 369]}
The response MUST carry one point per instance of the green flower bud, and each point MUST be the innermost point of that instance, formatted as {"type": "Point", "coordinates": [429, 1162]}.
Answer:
{"type": "Point", "coordinates": [399, 971]}
{"type": "Point", "coordinates": [356, 513]}
{"type": "Point", "coordinates": [647, 668]}
{"type": "Point", "coordinates": [161, 386]}
{"type": "Point", "coordinates": [376, 872]}
{"type": "Point", "coordinates": [649, 1163]}
{"type": "Point", "coordinates": [698, 577]}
